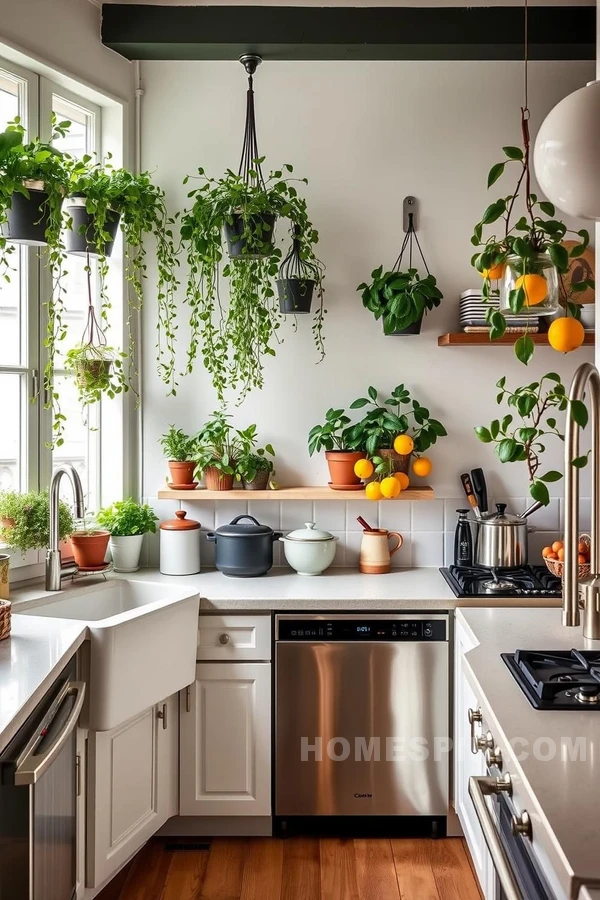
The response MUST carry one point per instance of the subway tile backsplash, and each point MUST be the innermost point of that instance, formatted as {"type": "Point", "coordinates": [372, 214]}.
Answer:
{"type": "Point", "coordinates": [427, 527]}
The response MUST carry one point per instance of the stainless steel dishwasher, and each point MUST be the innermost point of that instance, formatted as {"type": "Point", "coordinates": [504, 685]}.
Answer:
{"type": "Point", "coordinates": [362, 720]}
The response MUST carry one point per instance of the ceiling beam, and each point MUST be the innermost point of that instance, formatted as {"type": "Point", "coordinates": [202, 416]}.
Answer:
{"type": "Point", "coordinates": [146, 32]}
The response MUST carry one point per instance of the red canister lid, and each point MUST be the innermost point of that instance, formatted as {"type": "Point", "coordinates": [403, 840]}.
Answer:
{"type": "Point", "coordinates": [180, 523]}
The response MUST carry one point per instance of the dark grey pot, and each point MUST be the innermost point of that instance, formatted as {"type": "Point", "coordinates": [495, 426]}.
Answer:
{"type": "Point", "coordinates": [27, 219]}
{"type": "Point", "coordinates": [244, 551]}
{"type": "Point", "coordinates": [80, 239]}
{"type": "Point", "coordinates": [295, 295]}
{"type": "Point", "coordinates": [238, 246]}
{"type": "Point", "coordinates": [415, 328]}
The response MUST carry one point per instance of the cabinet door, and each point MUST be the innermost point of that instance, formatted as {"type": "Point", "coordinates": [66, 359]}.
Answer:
{"type": "Point", "coordinates": [225, 741]}
{"type": "Point", "coordinates": [132, 787]}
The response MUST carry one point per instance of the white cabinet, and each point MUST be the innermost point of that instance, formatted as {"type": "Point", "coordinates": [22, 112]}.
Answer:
{"type": "Point", "coordinates": [131, 787]}
{"type": "Point", "coordinates": [467, 764]}
{"type": "Point", "coordinates": [225, 741]}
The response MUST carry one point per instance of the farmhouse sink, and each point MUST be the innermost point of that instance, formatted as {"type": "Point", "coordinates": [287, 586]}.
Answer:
{"type": "Point", "coordinates": [143, 638]}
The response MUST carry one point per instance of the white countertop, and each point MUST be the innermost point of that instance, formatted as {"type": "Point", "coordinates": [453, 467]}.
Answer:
{"type": "Point", "coordinates": [30, 660]}
{"type": "Point", "coordinates": [567, 791]}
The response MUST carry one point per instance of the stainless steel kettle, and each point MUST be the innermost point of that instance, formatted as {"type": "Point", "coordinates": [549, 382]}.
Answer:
{"type": "Point", "coordinates": [501, 538]}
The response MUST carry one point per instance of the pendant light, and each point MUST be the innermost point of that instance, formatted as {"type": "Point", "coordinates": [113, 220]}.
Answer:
{"type": "Point", "coordinates": [567, 153]}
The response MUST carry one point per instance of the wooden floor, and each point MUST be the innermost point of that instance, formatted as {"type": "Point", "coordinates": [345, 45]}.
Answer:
{"type": "Point", "coordinates": [300, 869]}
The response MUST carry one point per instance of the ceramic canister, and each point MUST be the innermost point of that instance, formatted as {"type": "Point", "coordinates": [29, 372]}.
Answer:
{"type": "Point", "coordinates": [180, 545]}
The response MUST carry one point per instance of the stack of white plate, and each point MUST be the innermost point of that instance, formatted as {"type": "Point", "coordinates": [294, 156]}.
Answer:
{"type": "Point", "coordinates": [473, 310]}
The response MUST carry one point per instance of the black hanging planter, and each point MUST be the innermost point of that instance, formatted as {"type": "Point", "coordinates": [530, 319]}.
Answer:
{"type": "Point", "coordinates": [262, 228]}
{"type": "Point", "coordinates": [28, 217]}
{"type": "Point", "coordinates": [415, 328]}
{"type": "Point", "coordinates": [82, 238]}
{"type": "Point", "coordinates": [295, 295]}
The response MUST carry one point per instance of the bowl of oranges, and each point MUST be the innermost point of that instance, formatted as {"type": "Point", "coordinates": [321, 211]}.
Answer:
{"type": "Point", "coordinates": [554, 556]}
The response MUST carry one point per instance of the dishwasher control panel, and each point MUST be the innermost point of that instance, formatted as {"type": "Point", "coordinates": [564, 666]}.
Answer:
{"type": "Point", "coordinates": [362, 629]}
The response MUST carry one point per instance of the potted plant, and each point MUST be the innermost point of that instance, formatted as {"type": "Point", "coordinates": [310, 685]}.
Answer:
{"type": "Point", "coordinates": [333, 437]}
{"type": "Point", "coordinates": [94, 368]}
{"type": "Point", "coordinates": [219, 447]}
{"type": "Point", "coordinates": [383, 431]}
{"type": "Point", "coordinates": [253, 468]}
{"type": "Point", "coordinates": [233, 340]}
{"type": "Point", "coordinates": [400, 299]}
{"type": "Point", "coordinates": [180, 450]}
{"type": "Point", "coordinates": [522, 437]}
{"type": "Point", "coordinates": [300, 274]}
{"type": "Point", "coordinates": [25, 520]}
{"type": "Point", "coordinates": [127, 522]}
{"type": "Point", "coordinates": [526, 257]}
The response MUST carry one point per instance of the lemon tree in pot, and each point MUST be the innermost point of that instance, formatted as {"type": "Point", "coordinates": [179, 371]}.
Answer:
{"type": "Point", "coordinates": [127, 522]}
{"type": "Point", "coordinates": [219, 447]}
{"type": "Point", "coordinates": [254, 468]}
{"type": "Point", "coordinates": [180, 451]}
{"type": "Point", "coordinates": [25, 518]}
{"type": "Point", "coordinates": [333, 437]}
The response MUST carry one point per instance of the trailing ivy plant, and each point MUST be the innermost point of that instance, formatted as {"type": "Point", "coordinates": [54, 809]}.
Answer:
{"type": "Point", "coordinates": [400, 298]}
{"type": "Point", "coordinates": [524, 439]}
{"type": "Point", "coordinates": [234, 340]}
{"type": "Point", "coordinates": [535, 233]}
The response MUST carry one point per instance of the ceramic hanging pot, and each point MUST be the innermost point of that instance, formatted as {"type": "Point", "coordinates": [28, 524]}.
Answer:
{"type": "Point", "coordinates": [28, 217]}
{"type": "Point", "coordinates": [82, 237]}
{"type": "Point", "coordinates": [260, 242]}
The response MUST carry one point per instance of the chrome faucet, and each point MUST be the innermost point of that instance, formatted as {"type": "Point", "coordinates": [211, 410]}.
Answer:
{"type": "Point", "coordinates": [586, 376]}
{"type": "Point", "coordinates": [55, 571]}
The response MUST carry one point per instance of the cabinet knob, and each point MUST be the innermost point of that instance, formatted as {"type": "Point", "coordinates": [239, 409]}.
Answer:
{"type": "Point", "coordinates": [493, 757]}
{"type": "Point", "coordinates": [224, 639]}
{"type": "Point", "coordinates": [521, 824]}
{"type": "Point", "coordinates": [162, 714]}
{"type": "Point", "coordinates": [475, 717]}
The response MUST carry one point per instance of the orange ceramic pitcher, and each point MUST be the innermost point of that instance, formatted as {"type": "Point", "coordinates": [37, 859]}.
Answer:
{"type": "Point", "coordinates": [375, 551]}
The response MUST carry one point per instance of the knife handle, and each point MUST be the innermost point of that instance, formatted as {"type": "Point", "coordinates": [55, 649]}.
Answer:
{"type": "Point", "coordinates": [480, 489]}
{"type": "Point", "coordinates": [470, 494]}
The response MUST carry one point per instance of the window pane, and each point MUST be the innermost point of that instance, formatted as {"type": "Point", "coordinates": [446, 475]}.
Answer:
{"type": "Point", "coordinates": [13, 313]}
{"type": "Point", "coordinates": [11, 97]}
{"type": "Point", "coordinates": [80, 138]}
{"type": "Point", "coordinates": [12, 432]}
{"type": "Point", "coordinates": [80, 441]}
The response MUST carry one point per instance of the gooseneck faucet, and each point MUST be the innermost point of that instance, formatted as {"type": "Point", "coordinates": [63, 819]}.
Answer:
{"type": "Point", "coordinates": [55, 571]}
{"type": "Point", "coordinates": [586, 377]}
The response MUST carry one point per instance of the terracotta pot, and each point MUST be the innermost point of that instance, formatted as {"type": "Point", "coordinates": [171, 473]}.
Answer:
{"type": "Point", "coordinates": [401, 461]}
{"type": "Point", "coordinates": [341, 465]}
{"type": "Point", "coordinates": [89, 550]}
{"type": "Point", "coordinates": [7, 523]}
{"type": "Point", "coordinates": [215, 480]}
{"type": "Point", "coordinates": [182, 472]}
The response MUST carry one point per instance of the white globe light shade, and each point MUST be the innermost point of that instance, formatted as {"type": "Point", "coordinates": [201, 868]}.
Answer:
{"type": "Point", "coordinates": [566, 155]}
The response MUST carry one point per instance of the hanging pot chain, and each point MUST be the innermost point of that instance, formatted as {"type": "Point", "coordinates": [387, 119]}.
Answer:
{"type": "Point", "coordinates": [249, 169]}
{"type": "Point", "coordinates": [409, 238]}
{"type": "Point", "coordinates": [93, 334]}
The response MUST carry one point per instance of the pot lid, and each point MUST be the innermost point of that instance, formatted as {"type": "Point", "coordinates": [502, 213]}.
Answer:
{"type": "Point", "coordinates": [309, 533]}
{"type": "Point", "coordinates": [502, 517]}
{"type": "Point", "coordinates": [234, 529]}
{"type": "Point", "coordinates": [180, 523]}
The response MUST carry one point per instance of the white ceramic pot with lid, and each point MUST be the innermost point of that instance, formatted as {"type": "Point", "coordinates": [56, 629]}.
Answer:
{"type": "Point", "coordinates": [180, 545]}
{"type": "Point", "coordinates": [309, 550]}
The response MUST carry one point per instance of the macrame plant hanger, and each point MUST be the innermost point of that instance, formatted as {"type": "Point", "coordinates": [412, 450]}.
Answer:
{"type": "Point", "coordinates": [249, 168]}
{"type": "Point", "coordinates": [410, 236]}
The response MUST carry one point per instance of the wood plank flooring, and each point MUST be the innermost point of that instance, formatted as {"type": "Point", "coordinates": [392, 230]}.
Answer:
{"type": "Point", "coordinates": [300, 869]}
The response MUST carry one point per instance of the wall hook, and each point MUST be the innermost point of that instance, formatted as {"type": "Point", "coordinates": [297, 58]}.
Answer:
{"type": "Point", "coordinates": [409, 208]}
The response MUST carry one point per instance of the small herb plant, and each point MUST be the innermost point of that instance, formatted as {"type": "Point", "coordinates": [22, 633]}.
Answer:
{"type": "Point", "coordinates": [126, 518]}
{"type": "Point", "coordinates": [219, 445]}
{"type": "Point", "coordinates": [385, 420]}
{"type": "Point", "coordinates": [524, 440]}
{"type": "Point", "coordinates": [399, 298]}
{"type": "Point", "coordinates": [233, 341]}
{"type": "Point", "coordinates": [252, 459]}
{"type": "Point", "coordinates": [332, 434]}
{"type": "Point", "coordinates": [177, 445]}
{"type": "Point", "coordinates": [25, 518]}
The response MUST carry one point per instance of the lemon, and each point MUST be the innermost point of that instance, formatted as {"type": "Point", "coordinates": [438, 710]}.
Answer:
{"type": "Point", "coordinates": [535, 287]}
{"type": "Point", "coordinates": [422, 467]}
{"type": "Point", "coordinates": [404, 444]}
{"type": "Point", "coordinates": [373, 491]}
{"type": "Point", "coordinates": [402, 479]}
{"type": "Point", "coordinates": [566, 334]}
{"type": "Point", "coordinates": [390, 487]}
{"type": "Point", "coordinates": [363, 468]}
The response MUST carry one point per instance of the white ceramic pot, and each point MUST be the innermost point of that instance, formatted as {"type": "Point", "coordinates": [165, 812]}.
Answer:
{"type": "Point", "coordinates": [125, 552]}
{"type": "Point", "coordinates": [180, 545]}
{"type": "Point", "coordinates": [308, 550]}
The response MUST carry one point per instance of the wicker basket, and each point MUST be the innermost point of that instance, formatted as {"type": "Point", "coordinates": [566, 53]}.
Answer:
{"type": "Point", "coordinates": [557, 567]}
{"type": "Point", "coordinates": [4, 619]}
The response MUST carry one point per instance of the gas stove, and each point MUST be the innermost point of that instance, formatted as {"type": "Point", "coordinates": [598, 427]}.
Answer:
{"type": "Point", "coordinates": [525, 581]}
{"type": "Point", "coordinates": [561, 679]}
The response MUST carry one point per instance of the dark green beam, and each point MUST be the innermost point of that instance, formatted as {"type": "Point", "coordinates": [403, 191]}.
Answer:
{"type": "Point", "coordinates": [311, 33]}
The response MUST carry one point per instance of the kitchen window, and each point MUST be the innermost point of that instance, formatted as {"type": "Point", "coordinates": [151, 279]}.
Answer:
{"type": "Point", "coordinates": [26, 461]}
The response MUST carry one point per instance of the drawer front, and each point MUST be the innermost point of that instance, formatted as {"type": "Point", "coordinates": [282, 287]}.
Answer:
{"type": "Point", "coordinates": [231, 638]}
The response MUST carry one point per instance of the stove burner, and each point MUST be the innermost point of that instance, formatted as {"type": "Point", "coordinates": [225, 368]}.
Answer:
{"type": "Point", "coordinates": [497, 584]}
{"type": "Point", "coordinates": [557, 680]}
{"type": "Point", "coordinates": [525, 581]}
{"type": "Point", "coordinates": [588, 693]}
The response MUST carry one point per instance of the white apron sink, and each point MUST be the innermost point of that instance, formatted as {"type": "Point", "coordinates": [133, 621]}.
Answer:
{"type": "Point", "coordinates": [143, 640]}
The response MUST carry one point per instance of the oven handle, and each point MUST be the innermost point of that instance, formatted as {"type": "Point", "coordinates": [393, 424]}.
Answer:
{"type": "Point", "coordinates": [480, 787]}
{"type": "Point", "coordinates": [28, 771]}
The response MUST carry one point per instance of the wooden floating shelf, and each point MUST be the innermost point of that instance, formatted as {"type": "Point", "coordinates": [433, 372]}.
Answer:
{"type": "Point", "coordinates": [480, 339]}
{"type": "Point", "coordinates": [294, 493]}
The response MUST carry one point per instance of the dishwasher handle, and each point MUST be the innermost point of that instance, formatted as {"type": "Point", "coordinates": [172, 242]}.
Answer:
{"type": "Point", "coordinates": [31, 767]}
{"type": "Point", "coordinates": [480, 787]}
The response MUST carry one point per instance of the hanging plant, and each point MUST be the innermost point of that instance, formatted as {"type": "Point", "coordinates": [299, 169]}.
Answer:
{"type": "Point", "coordinates": [243, 209]}
{"type": "Point", "coordinates": [400, 298]}
{"type": "Point", "coordinates": [300, 275]}
{"type": "Point", "coordinates": [111, 196]}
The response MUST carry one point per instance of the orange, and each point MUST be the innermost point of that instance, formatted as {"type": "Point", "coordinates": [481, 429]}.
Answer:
{"type": "Point", "coordinates": [404, 444]}
{"type": "Point", "coordinates": [402, 479]}
{"type": "Point", "coordinates": [566, 334]}
{"type": "Point", "coordinates": [535, 286]}
{"type": "Point", "coordinates": [582, 547]}
{"type": "Point", "coordinates": [561, 554]}
{"type": "Point", "coordinates": [390, 487]}
{"type": "Point", "coordinates": [546, 551]}
{"type": "Point", "coordinates": [373, 491]}
{"type": "Point", "coordinates": [557, 545]}
{"type": "Point", "coordinates": [363, 468]}
{"type": "Point", "coordinates": [495, 272]}
{"type": "Point", "coordinates": [422, 467]}
{"type": "Point", "coordinates": [552, 555]}
{"type": "Point", "coordinates": [581, 559]}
